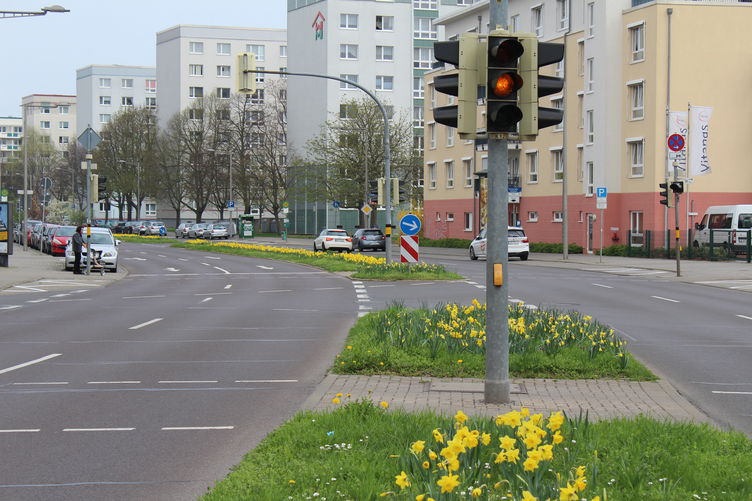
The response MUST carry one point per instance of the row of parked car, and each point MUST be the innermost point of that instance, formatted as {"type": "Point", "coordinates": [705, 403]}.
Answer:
{"type": "Point", "coordinates": [138, 227]}
{"type": "Point", "coordinates": [208, 231]}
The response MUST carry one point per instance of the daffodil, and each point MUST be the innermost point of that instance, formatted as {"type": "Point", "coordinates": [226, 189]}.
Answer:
{"type": "Point", "coordinates": [418, 446]}
{"type": "Point", "coordinates": [401, 480]}
{"type": "Point", "coordinates": [448, 483]}
{"type": "Point", "coordinates": [527, 496]}
{"type": "Point", "coordinates": [568, 493]}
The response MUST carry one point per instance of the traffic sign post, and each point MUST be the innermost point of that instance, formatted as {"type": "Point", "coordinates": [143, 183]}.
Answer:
{"type": "Point", "coordinates": [410, 224]}
{"type": "Point", "coordinates": [409, 249]}
{"type": "Point", "coordinates": [601, 194]}
{"type": "Point", "coordinates": [675, 142]}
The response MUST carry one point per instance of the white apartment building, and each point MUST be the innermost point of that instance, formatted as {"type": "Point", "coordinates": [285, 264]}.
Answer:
{"type": "Point", "coordinates": [11, 137]}
{"type": "Point", "coordinates": [103, 90]}
{"type": "Point", "coordinates": [53, 116]}
{"type": "Point", "coordinates": [199, 61]}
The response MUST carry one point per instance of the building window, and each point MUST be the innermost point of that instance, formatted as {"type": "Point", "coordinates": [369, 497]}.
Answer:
{"type": "Point", "coordinates": [350, 78]}
{"type": "Point", "coordinates": [450, 216]}
{"type": "Point", "coordinates": [514, 23]}
{"type": "Point", "coordinates": [422, 57]}
{"type": "Point", "coordinates": [105, 100]}
{"type": "Point", "coordinates": [467, 169]}
{"type": "Point", "coordinates": [258, 97]}
{"type": "Point", "coordinates": [419, 144]}
{"type": "Point", "coordinates": [63, 110]}
{"type": "Point", "coordinates": [384, 23]}
{"type": "Point", "coordinates": [105, 83]}
{"type": "Point", "coordinates": [424, 4]}
{"type": "Point", "coordinates": [562, 14]}
{"type": "Point", "coordinates": [150, 102]}
{"type": "Point", "coordinates": [347, 110]}
{"type": "Point", "coordinates": [432, 136]}
{"type": "Point", "coordinates": [468, 221]}
{"type": "Point", "coordinates": [284, 69]}
{"type": "Point", "coordinates": [590, 68]}
{"type": "Point", "coordinates": [260, 76]}
{"type": "Point", "coordinates": [558, 104]}
{"type": "Point", "coordinates": [636, 166]}
{"type": "Point", "coordinates": [196, 70]}
{"type": "Point", "coordinates": [418, 118]}
{"type": "Point", "coordinates": [126, 83]}
{"type": "Point", "coordinates": [126, 101]}
{"type": "Point", "coordinates": [196, 47]}
{"type": "Point", "coordinates": [150, 209]}
{"type": "Point", "coordinates": [557, 161]}
{"type": "Point", "coordinates": [590, 126]}
{"type": "Point", "coordinates": [418, 86]}
{"type": "Point", "coordinates": [196, 114]}
{"type": "Point", "coordinates": [432, 175]}
{"type": "Point", "coordinates": [532, 166]}
{"type": "Point", "coordinates": [637, 42]}
{"type": "Point", "coordinates": [104, 118]}
{"type": "Point", "coordinates": [580, 110]}
{"type": "Point", "coordinates": [223, 49]}
{"type": "Point", "coordinates": [64, 125]}
{"type": "Point", "coordinates": [195, 92]}
{"type": "Point", "coordinates": [283, 51]}
{"type": "Point", "coordinates": [257, 50]}
{"type": "Point", "coordinates": [536, 20]}
{"type": "Point", "coordinates": [223, 70]}
{"type": "Point", "coordinates": [348, 21]}
{"type": "Point", "coordinates": [423, 28]}
{"type": "Point", "coordinates": [449, 137]}
{"type": "Point", "coordinates": [256, 117]}
{"type": "Point", "coordinates": [348, 51]}
{"type": "Point", "coordinates": [151, 86]}
{"type": "Point", "coordinates": [557, 216]}
{"type": "Point", "coordinates": [384, 53]}
{"type": "Point", "coordinates": [637, 109]}
{"type": "Point", "coordinates": [590, 13]}
{"type": "Point", "coordinates": [44, 124]}
{"type": "Point", "coordinates": [635, 228]}
{"type": "Point", "coordinates": [449, 169]}
{"type": "Point", "coordinates": [45, 110]}
{"type": "Point", "coordinates": [532, 216]}
{"type": "Point", "coordinates": [63, 140]}
{"type": "Point", "coordinates": [223, 92]}
{"type": "Point", "coordinates": [589, 179]}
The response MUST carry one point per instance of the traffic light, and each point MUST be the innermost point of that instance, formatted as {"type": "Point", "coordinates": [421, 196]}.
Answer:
{"type": "Point", "coordinates": [381, 190]}
{"type": "Point", "coordinates": [463, 54]}
{"type": "Point", "coordinates": [94, 188]}
{"type": "Point", "coordinates": [503, 82]}
{"type": "Point", "coordinates": [665, 199]}
{"type": "Point", "coordinates": [677, 187]}
{"type": "Point", "coordinates": [373, 192]}
{"type": "Point", "coordinates": [398, 193]}
{"type": "Point", "coordinates": [535, 55]}
{"type": "Point", "coordinates": [246, 73]}
{"type": "Point", "coordinates": [102, 188]}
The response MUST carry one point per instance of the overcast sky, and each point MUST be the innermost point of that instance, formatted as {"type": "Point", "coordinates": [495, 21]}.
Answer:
{"type": "Point", "coordinates": [42, 53]}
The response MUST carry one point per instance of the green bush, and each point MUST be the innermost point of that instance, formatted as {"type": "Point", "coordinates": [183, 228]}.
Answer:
{"type": "Point", "coordinates": [554, 248]}
{"type": "Point", "coordinates": [454, 243]}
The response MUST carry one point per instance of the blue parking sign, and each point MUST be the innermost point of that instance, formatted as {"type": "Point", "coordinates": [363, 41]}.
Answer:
{"type": "Point", "coordinates": [601, 192]}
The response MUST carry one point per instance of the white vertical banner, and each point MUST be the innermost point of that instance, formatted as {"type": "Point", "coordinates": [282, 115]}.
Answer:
{"type": "Point", "coordinates": [677, 124]}
{"type": "Point", "coordinates": [699, 139]}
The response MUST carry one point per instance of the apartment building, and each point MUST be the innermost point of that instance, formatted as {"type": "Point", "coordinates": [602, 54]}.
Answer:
{"type": "Point", "coordinates": [52, 116]}
{"type": "Point", "coordinates": [199, 61]}
{"type": "Point", "coordinates": [620, 80]}
{"type": "Point", "coordinates": [11, 137]}
{"type": "Point", "coordinates": [103, 90]}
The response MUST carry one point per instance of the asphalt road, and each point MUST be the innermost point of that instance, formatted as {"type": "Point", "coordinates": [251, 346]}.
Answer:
{"type": "Point", "coordinates": [154, 387]}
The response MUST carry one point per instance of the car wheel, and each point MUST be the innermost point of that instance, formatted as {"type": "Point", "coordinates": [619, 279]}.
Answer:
{"type": "Point", "coordinates": [523, 256]}
{"type": "Point", "coordinates": [473, 257]}
{"type": "Point", "coordinates": [323, 247]}
{"type": "Point", "coordinates": [694, 244]}
{"type": "Point", "coordinates": [315, 249]}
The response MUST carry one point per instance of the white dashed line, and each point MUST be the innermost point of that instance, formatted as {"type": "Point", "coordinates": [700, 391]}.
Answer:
{"type": "Point", "coordinates": [42, 383]}
{"type": "Point", "coordinates": [604, 286]}
{"type": "Point", "coordinates": [152, 321]}
{"type": "Point", "coordinates": [212, 257]}
{"type": "Point", "coordinates": [142, 297]}
{"type": "Point", "coordinates": [222, 270]}
{"type": "Point", "coordinates": [214, 294]}
{"type": "Point", "coordinates": [362, 295]}
{"type": "Point", "coordinates": [113, 382]}
{"type": "Point", "coordinates": [182, 428]}
{"type": "Point", "coordinates": [38, 300]}
{"type": "Point", "coordinates": [206, 264]}
{"type": "Point", "coordinates": [161, 255]}
{"type": "Point", "coordinates": [382, 285]}
{"type": "Point", "coordinates": [744, 317]}
{"type": "Point", "coordinates": [264, 267]}
{"type": "Point", "coordinates": [293, 309]}
{"type": "Point", "coordinates": [328, 288]}
{"type": "Point", "coordinates": [277, 290]}
{"type": "Point", "coordinates": [185, 382]}
{"type": "Point", "coordinates": [665, 299]}
{"type": "Point", "coordinates": [266, 381]}
{"type": "Point", "coordinates": [206, 299]}
{"type": "Point", "coordinates": [31, 362]}
{"type": "Point", "coordinates": [228, 286]}
{"type": "Point", "coordinates": [29, 430]}
{"type": "Point", "coordinates": [60, 295]}
{"type": "Point", "coordinates": [718, 392]}
{"type": "Point", "coordinates": [98, 429]}
{"type": "Point", "coordinates": [182, 259]}
{"type": "Point", "coordinates": [12, 307]}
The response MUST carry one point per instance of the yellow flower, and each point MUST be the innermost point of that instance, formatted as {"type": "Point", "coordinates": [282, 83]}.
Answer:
{"type": "Point", "coordinates": [401, 480]}
{"type": "Point", "coordinates": [477, 492]}
{"type": "Point", "coordinates": [417, 447]}
{"type": "Point", "coordinates": [530, 464]}
{"type": "Point", "coordinates": [338, 395]}
{"type": "Point", "coordinates": [500, 458]}
{"type": "Point", "coordinates": [432, 455]}
{"type": "Point", "coordinates": [335, 400]}
{"type": "Point", "coordinates": [526, 496]}
{"type": "Point", "coordinates": [448, 483]}
{"type": "Point", "coordinates": [507, 442]}
{"type": "Point", "coordinates": [385, 405]}
{"type": "Point", "coordinates": [420, 497]}
{"type": "Point", "coordinates": [580, 484]}
{"type": "Point", "coordinates": [460, 360]}
{"type": "Point", "coordinates": [291, 482]}
{"type": "Point", "coordinates": [513, 455]}
{"type": "Point", "coordinates": [532, 441]}
{"type": "Point", "coordinates": [580, 471]}
{"type": "Point", "coordinates": [426, 465]}
{"type": "Point", "coordinates": [568, 493]}
{"type": "Point", "coordinates": [555, 421]}
{"type": "Point", "coordinates": [460, 417]}
{"type": "Point", "coordinates": [437, 436]}
{"type": "Point", "coordinates": [485, 439]}
{"type": "Point", "coordinates": [547, 452]}
{"type": "Point", "coordinates": [557, 438]}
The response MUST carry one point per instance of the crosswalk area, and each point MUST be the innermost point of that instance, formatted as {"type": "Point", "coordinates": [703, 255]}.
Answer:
{"type": "Point", "coordinates": [632, 272]}
{"type": "Point", "coordinates": [49, 285]}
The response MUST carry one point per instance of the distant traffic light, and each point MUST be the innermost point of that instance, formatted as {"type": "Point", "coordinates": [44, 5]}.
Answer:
{"type": "Point", "coordinates": [535, 55]}
{"type": "Point", "coordinates": [677, 187]}
{"type": "Point", "coordinates": [463, 54]}
{"type": "Point", "coordinates": [665, 199]}
{"type": "Point", "coordinates": [373, 191]}
{"type": "Point", "coordinates": [102, 188]}
{"type": "Point", "coordinates": [381, 190]}
{"type": "Point", "coordinates": [94, 188]}
{"type": "Point", "coordinates": [398, 193]}
{"type": "Point", "coordinates": [503, 82]}
{"type": "Point", "coordinates": [246, 73]}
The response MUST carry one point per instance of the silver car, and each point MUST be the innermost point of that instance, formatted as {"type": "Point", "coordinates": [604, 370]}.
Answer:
{"type": "Point", "coordinates": [216, 230]}
{"type": "Point", "coordinates": [197, 230]}
{"type": "Point", "coordinates": [518, 244]}
{"type": "Point", "coordinates": [102, 243]}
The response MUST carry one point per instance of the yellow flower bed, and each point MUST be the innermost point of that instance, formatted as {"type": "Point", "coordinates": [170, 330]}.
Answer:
{"type": "Point", "coordinates": [354, 258]}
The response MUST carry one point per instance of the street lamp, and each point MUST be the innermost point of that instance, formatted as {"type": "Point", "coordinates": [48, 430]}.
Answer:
{"type": "Point", "coordinates": [42, 12]}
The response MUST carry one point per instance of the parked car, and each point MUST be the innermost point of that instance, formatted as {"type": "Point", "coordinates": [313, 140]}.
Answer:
{"type": "Point", "coordinates": [197, 230]}
{"type": "Point", "coordinates": [101, 241]}
{"type": "Point", "coordinates": [119, 226]}
{"type": "Point", "coordinates": [333, 239]}
{"type": "Point", "coordinates": [182, 230]}
{"type": "Point", "coordinates": [518, 244]}
{"type": "Point", "coordinates": [132, 227]}
{"type": "Point", "coordinates": [36, 235]}
{"type": "Point", "coordinates": [369, 238]}
{"type": "Point", "coordinates": [231, 230]}
{"type": "Point", "coordinates": [30, 224]}
{"type": "Point", "coordinates": [216, 230]}
{"type": "Point", "coordinates": [153, 228]}
{"type": "Point", "coordinates": [44, 239]}
{"type": "Point", "coordinates": [59, 239]}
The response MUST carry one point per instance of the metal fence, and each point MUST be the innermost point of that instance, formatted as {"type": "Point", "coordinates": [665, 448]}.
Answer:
{"type": "Point", "coordinates": [722, 245]}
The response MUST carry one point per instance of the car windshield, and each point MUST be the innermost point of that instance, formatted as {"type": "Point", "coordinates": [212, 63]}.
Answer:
{"type": "Point", "coordinates": [220, 227]}
{"type": "Point", "coordinates": [65, 231]}
{"type": "Point", "coordinates": [157, 223]}
{"type": "Point", "coordinates": [100, 238]}
{"type": "Point", "coordinates": [516, 233]}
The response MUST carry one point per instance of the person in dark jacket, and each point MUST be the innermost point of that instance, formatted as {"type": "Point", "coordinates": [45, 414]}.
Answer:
{"type": "Point", "coordinates": [78, 243]}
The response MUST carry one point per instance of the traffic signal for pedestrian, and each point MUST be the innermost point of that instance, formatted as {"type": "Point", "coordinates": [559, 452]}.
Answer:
{"type": "Point", "coordinates": [503, 82]}
{"type": "Point", "coordinates": [102, 188]}
{"type": "Point", "coordinates": [677, 187]}
{"type": "Point", "coordinates": [94, 188]}
{"type": "Point", "coordinates": [536, 55]}
{"type": "Point", "coordinates": [463, 54]}
{"type": "Point", "coordinates": [665, 199]}
{"type": "Point", "coordinates": [246, 73]}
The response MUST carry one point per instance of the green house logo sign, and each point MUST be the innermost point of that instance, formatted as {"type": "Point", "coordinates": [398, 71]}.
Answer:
{"type": "Point", "coordinates": [318, 26]}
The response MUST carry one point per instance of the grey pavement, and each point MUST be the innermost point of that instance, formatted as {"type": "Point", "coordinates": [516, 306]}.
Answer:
{"type": "Point", "coordinates": [599, 398]}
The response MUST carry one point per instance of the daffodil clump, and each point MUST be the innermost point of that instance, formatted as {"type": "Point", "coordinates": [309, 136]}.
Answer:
{"type": "Point", "coordinates": [354, 258]}
{"type": "Point", "coordinates": [512, 459]}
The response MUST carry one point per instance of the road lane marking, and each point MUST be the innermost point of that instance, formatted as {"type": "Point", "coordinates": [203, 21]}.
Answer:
{"type": "Point", "coordinates": [30, 288]}
{"type": "Point", "coordinates": [214, 294]}
{"type": "Point", "coordinates": [70, 300]}
{"type": "Point", "coordinates": [142, 297]}
{"type": "Point", "coordinates": [185, 382]}
{"type": "Point", "coordinates": [28, 430]}
{"type": "Point", "coordinates": [60, 295]}
{"type": "Point", "coordinates": [31, 362]}
{"type": "Point", "coordinates": [206, 299]}
{"type": "Point", "coordinates": [266, 380]}
{"type": "Point", "coordinates": [604, 286]}
{"type": "Point", "coordinates": [744, 317]}
{"type": "Point", "coordinates": [98, 429]}
{"type": "Point", "coordinates": [221, 269]}
{"type": "Point", "coordinates": [113, 382]}
{"type": "Point", "coordinates": [206, 264]}
{"type": "Point", "coordinates": [182, 259]}
{"type": "Point", "coordinates": [42, 382]}
{"type": "Point", "coordinates": [152, 321]}
{"type": "Point", "coordinates": [362, 295]}
{"type": "Point", "coordinates": [277, 290]}
{"type": "Point", "coordinates": [136, 258]}
{"type": "Point", "coordinates": [172, 269]}
{"type": "Point", "coordinates": [293, 309]}
{"type": "Point", "coordinates": [424, 283]}
{"type": "Point", "coordinates": [38, 300]}
{"type": "Point", "coordinates": [228, 286]}
{"type": "Point", "coordinates": [161, 255]}
{"type": "Point", "coordinates": [264, 267]}
{"type": "Point", "coordinates": [328, 288]}
{"type": "Point", "coordinates": [189, 428]}
{"type": "Point", "coordinates": [11, 307]}
{"type": "Point", "coordinates": [384, 285]}
{"type": "Point", "coordinates": [732, 392]}
{"type": "Point", "coordinates": [212, 257]}
{"type": "Point", "coordinates": [665, 299]}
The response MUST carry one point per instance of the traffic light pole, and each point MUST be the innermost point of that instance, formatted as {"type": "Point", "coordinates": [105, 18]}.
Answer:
{"type": "Point", "coordinates": [496, 385]}
{"type": "Point", "coordinates": [89, 211]}
{"type": "Point", "coordinates": [677, 244]}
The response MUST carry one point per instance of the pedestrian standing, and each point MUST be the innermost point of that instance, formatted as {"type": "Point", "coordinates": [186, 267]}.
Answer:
{"type": "Point", "coordinates": [78, 243]}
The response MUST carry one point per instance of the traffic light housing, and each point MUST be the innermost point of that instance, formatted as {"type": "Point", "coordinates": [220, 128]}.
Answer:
{"type": "Point", "coordinates": [665, 198]}
{"type": "Point", "coordinates": [463, 54]}
{"type": "Point", "coordinates": [246, 73]}
{"type": "Point", "coordinates": [504, 82]}
{"type": "Point", "coordinates": [536, 55]}
{"type": "Point", "coordinates": [373, 192]}
{"type": "Point", "coordinates": [94, 188]}
{"type": "Point", "coordinates": [381, 190]}
{"type": "Point", "coordinates": [102, 188]}
{"type": "Point", "coordinates": [398, 193]}
{"type": "Point", "coordinates": [677, 187]}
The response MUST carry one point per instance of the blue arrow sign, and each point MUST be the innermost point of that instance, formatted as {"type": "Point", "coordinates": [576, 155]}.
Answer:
{"type": "Point", "coordinates": [410, 224]}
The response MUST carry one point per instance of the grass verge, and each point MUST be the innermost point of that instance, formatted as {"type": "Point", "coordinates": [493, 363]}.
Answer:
{"type": "Point", "coordinates": [361, 451]}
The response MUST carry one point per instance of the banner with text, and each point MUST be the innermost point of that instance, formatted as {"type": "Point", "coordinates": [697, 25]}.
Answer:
{"type": "Point", "coordinates": [677, 124]}
{"type": "Point", "coordinates": [699, 139]}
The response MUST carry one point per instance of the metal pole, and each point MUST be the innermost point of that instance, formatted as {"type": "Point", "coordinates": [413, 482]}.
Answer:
{"type": "Point", "coordinates": [496, 386]}
{"type": "Point", "coordinates": [26, 180]}
{"type": "Point", "coordinates": [600, 259]}
{"type": "Point", "coordinates": [677, 245]}
{"type": "Point", "coordinates": [564, 153]}
{"type": "Point", "coordinates": [89, 216]}
{"type": "Point", "coordinates": [232, 209]}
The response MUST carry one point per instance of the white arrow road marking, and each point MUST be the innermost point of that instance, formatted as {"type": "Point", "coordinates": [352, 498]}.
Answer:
{"type": "Point", "coordinates": [744, 317]}
{"type": "Point", "coordinates": [665, 299]}
{"type": "Point", "coordinates": [228, 286]}
{"type": "Point", "coordinates": [206, 299]}
{"type": "Point", "coordinates": [221, 269]}
{"type": "Point", "coordinates": [264, 267]}
{"type": "Point", "coordinates": [153, 321]}
{"type": "Point", "coordinates": [29, 288]}
{"type": "Point", "coordinates": [172, 269]}
{"type": "Point", "coordinates": [32, 362]}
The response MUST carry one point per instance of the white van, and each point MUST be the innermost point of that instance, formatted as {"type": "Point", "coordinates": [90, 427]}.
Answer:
{"type": "Point", "coordinates": [735, 220]}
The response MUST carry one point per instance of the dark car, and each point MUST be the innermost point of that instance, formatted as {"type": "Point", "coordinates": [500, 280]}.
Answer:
{"type": "Point", "coordinates": [369, 238]}
{"type": "Point", "coordinates": [119, 227]}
